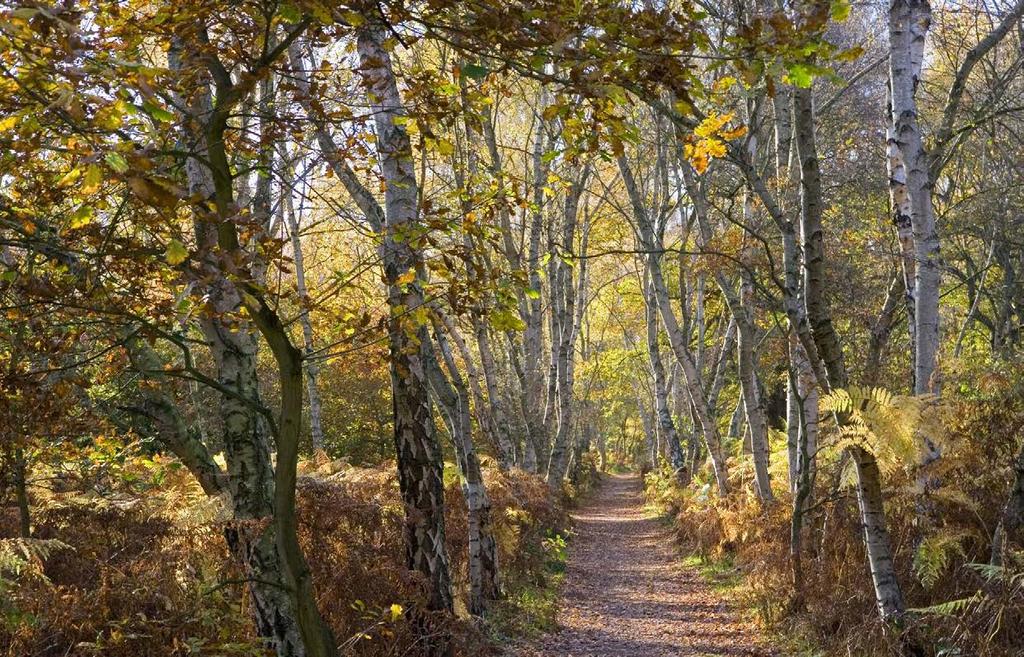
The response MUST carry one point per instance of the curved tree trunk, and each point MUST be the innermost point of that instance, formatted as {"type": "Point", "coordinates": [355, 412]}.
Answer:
{"type": "Point", "coordinates": [263, 537]}
{"type": "Point", "coordinates": [677, 340]}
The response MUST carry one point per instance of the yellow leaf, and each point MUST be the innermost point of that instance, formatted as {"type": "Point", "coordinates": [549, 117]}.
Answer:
{"type": "Point", "coordinates": [8, 123]}
{"type": "Point", "coordinates": [735, 133]}
{"type": "Point", "coordinates": [698, 158]}
{"type": "Point", "coordinates": [82, 217]}
{"type": "Point", "coordinates": [396, 611]}
{"type": "Point", "coordinates": [406, 278]}
{"type": "Point", "coordinates": [713, 147]}
{"type": "Point", "coordinates": [725, 83]}
{"type": "Point", "coordinates": [712, 124]}
{"type": "Point", "coordinates": [69, 177]}
{"type": "Point", "coordinates": [92, 180]}
{"type": "Point", "coordinates": [445, 147]}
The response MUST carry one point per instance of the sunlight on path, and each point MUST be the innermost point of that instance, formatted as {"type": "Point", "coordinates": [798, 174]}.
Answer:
{"type": "Point", "coordinates": [627, 594]}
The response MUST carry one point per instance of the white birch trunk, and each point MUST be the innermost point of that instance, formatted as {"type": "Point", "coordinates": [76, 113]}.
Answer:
{"type": "Point", "coordinates": [419, 455]}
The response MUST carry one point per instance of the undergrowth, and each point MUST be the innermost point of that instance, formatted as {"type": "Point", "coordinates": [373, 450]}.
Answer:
{"type": "Point", "coordinates": [143, 570]}
{"type": "Point", "coordinates": [959, 606]}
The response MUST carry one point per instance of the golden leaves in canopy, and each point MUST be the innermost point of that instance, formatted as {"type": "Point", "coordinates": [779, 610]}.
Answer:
{"type": "Point", "coordinates": [709, 140]}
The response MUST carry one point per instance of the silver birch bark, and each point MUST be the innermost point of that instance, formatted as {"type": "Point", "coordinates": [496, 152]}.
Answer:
{"type": "Point", "coordinates": [675, 453]}
{"type": "Point", "coordinates": [564, 329]}
{"type": "Point", "coordinates": [472, 372]}
{"type": "Point", "coordinates": [419, 456]}
{"type": "Point", "coordinates": [911, 185]}
{"type": "Point", "coordinates": [453, 397]}
{"type": "Point", "coordinates": [262, 537]}
{"type": "Point", "coordinates": [888, 596]}
{"type": "Point", "coordinates": [500, 422]}
{"type": "Point", "coordinates": [533, 340]}
{"type": "Point", "coordinates": [914, 168]}
{"type": "Point", "coordinates": [496, 403]}
{"type": "Point", "coordinates": [740, 306]}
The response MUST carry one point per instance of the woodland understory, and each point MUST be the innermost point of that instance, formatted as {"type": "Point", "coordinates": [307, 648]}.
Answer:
{"type": "Point", "coordinates": [318, 318]}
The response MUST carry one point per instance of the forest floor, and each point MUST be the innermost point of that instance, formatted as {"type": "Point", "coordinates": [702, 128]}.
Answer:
{"type": "Point", "coordinates": [627, 592]}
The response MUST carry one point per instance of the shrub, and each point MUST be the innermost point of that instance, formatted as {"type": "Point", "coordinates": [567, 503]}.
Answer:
{"type": "Point", "coordinates": [146, 572]}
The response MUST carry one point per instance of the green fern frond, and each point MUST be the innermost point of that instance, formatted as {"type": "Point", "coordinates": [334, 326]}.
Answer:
{"type": "Point", "coordinates": [933, 556]}
{"type": "Point", "coordinates": [950, 608]}
{"type": "Point", "coordinates": [990, 572]}
{"type": "Point", "coordinates": [24, 557]}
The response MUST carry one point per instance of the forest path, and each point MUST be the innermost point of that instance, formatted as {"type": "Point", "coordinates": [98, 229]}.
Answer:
{"type": "Point", "coordinates": [627, 593]}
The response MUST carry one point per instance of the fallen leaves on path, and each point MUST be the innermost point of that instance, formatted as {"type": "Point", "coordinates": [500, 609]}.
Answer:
{"type": "Point", "coordinates": [627, 594]}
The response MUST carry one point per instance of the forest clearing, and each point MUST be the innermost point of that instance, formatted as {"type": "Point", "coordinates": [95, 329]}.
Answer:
{"type": "Point", "coordinates": [511, 327]}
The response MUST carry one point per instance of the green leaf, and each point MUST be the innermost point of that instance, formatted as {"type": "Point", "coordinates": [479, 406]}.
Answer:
{"type": "Point", "coordinates": [116, 162]}
{"type": "Point", "coordinates": [840, 10]}
{"type": "Point", "coordinates": [290, 12]}
{"type": "Point", "coordinates": [157, 112]}
{"type": "Point", "coordinates": [506, 320]}
{"type": "Point", "coordinates": [81, 217]}
{"type": "Point", "coordinates": [800, 75]}
{"type": "Point", "coordinates": [176, 253]}
{"type": "Point", "coordinates": [475, 71]}
{"type": "Point", "coordinates": [92, 180]}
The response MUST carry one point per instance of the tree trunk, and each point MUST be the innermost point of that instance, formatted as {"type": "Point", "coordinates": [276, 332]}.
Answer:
{"type": "Point", "coordinates": [169, 426]}
{"type": "Point", "coordinates": [419, 456]}
{"type": "Point", "coordinates": [537, 426]}
{"type": "Point", "coordinates": [563, 331]}
{"type": "Point", "coordinates": [453, 398]}
{"type": "Point", "coordinates": [869, 492]}
{"type": "Point", "coordinates": [677, 340]}
{"type": "Point", "coordinates": [649, 448]}
{"type": "Point", "coordinates": [316, 429]}
{"type": "Point", "coordinates": [908, 28]}
{"type": "Point", "coordinates": [888, 597]}
{"type": "Point", "coordinates": [263, 536]}
{"type": "Point", "coordinates": [497, 415]}
{"type": "Point", "coordinates": [675, 452]}
{"type": "Point", "coordinates": [20, 471]}
{"type": "Point", "coordinates": [812, 205]}
{"type": "Point", "coordinates": [881, 330]}
{"type": "Point", "coordinates": [741, 307]}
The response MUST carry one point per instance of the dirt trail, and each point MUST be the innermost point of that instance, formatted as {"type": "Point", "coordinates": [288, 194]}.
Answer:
{"type": "Point", "coordinates": [627, 594]}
